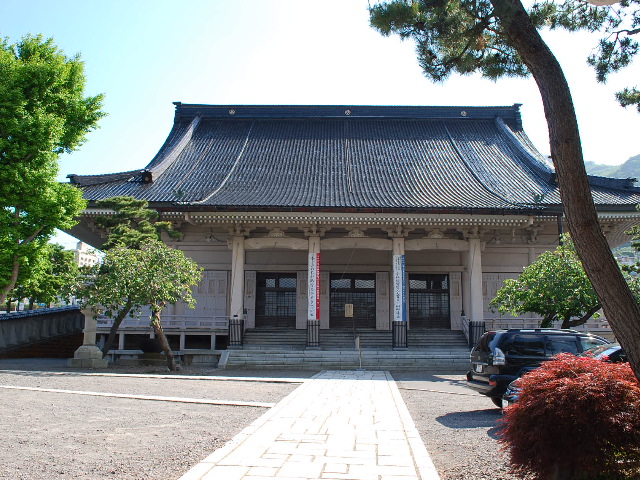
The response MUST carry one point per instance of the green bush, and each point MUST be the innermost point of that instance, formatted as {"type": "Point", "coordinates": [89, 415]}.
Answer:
{"type": "Point", "coordinates": [576, 418]}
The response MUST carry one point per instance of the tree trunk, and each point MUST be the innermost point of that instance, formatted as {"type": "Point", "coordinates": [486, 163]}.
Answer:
{"type": "Point", "coordinates": [164, 343]}
{"type": "Point", "coordinates": [547, 322]}
{"type": "Point", "coordinates": [114, 329]}
{"type": "Point", "coordinates": [13, 278]}
{"type": "Point", "coordinates": [619, 305]}
{"type": "Point", "coordinates": [568, 323]}
{"type": "Point", "coordinates": [562, 472]}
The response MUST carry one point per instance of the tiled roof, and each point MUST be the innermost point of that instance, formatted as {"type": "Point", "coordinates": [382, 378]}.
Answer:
{"type": "Point", "coordinates": [341, 157]}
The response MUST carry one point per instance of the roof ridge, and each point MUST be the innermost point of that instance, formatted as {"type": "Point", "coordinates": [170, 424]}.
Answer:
{"type": "Point", "coordinates": [471, 170]}
{"type": "Point", "coordinates": [435, 112]}
{"type": "Point", "coordinates": [149, 175]}
{"type": "Point", "coordinates": [86, 180]}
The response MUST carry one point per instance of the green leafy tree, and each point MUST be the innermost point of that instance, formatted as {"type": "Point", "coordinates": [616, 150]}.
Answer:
{"type": "Point", "coordinates": [500, 38]}
{"type": "Point", "coordinates": [43, 113]}
{"type": "Point", "coordinates": [131, 224]}
{"type": "Point", "coordinates": [154, 275]}
{"type": "Point", "coordinates": [50, 275]}
{"type": "Point", "coordinates": [555, 287]}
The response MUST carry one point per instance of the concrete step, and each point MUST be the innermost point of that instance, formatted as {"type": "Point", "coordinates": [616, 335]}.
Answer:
{"type": "Point", "coordinates": [436, 360]}
{"type": "Point", "coordinates": [342, 339]}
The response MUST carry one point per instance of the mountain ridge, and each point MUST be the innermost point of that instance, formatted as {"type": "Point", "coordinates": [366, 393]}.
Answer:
{"type": "Point", "coordinates": [628, 169]}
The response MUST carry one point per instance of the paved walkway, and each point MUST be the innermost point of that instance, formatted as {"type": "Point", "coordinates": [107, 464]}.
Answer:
{"type": "Point", "coordinates": [337, 425]}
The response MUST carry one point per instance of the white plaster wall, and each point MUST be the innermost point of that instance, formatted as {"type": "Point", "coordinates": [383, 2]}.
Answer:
{"type": "Point", "coordinates": [433, 259]}
{"type": "Point", "coordinates": [499, 261]}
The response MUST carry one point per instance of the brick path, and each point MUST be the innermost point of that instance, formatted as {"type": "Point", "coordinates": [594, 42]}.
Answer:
{"type": "Point", "coordinates": [337, 425]}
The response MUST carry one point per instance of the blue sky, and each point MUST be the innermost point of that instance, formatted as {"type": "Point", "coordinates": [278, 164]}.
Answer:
{"type": "Point", "coordinates": [144, 55]}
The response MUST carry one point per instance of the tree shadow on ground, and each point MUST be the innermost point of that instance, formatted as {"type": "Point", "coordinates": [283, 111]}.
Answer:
{"type": "Point", "coordinates": [457, 379]}
{"type": "Point", "coordinates": [488, 418]}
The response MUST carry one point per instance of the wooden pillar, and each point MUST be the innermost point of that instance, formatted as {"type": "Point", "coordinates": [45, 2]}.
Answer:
{"type": "Point", "coordinates": [237, 277]}
{"type": "Point", "coordinates": [313, 279]}
{"type": "Point", "coordinates": [399, 334]}
{"type": "Point", "coordinates": [474, 266]}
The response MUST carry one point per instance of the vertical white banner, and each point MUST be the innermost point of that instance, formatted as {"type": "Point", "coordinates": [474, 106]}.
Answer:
{"type": "Point", "coordinates": [314, 287]}
{"type": "Point", "coordinates": [399, 289]}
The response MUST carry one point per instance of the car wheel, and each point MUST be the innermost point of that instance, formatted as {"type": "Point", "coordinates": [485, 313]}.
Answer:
{"type": "Point", "coordinates": [497, 401]}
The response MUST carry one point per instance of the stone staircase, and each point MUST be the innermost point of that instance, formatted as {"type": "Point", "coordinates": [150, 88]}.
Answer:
{"type": "Point", "coordinates": [437, 351]}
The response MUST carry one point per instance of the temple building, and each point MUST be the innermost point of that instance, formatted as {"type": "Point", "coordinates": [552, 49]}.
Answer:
{"type": "Point", "coordinates": [349, 218]}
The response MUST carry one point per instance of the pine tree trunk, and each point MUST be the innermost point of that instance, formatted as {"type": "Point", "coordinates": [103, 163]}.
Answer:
{"type": "Point", "coordinates": [562, 473]}
{"type": "Point", "coordinates": [114, 329]}
{"type": "Point", "coordinates": [619, 305]}
{"type": "Point", "coordinates": [164, 343]}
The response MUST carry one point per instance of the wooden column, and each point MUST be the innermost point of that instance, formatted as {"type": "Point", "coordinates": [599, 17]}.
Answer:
{"type": "Point", "coordinates": [399, 326]}
{"type": "Point", "coordinates": [474, 266]}
{"type": "Point", "coordinates": [237, 277]}
{"type": "Point", "coordinates": [313, 290]}
{"type": "Point", "coordinates": [399, 281]}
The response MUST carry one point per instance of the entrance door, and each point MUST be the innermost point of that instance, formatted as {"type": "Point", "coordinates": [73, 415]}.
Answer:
{"type": "Point", "coordinates": [276, 300]}
{"type": "Point", "coordinates": [358, 289]}
{"type": "Point", "coordinates": [429, 301]}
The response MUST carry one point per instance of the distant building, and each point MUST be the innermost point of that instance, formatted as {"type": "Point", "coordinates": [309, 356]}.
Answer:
{"type": "Point", "coordinates": [85, 255]}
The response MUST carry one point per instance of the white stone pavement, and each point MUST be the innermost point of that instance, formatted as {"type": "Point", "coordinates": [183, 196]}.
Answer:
{"type": "Point", "coordinates": [337, 425]}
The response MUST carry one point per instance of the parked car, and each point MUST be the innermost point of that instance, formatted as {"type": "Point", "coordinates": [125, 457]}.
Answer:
{"type": "Point", "coordinates": [612, 352]}
{"type": "Point", "coordinates": [609, 352]}
{"type": "Point", "coordinates": [512, 394]}
{"type": "Point", "coordinates": [502, 356]}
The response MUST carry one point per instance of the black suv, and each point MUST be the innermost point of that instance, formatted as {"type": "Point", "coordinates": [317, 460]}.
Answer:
{"type": "Point", "coordinates": [502, 356]}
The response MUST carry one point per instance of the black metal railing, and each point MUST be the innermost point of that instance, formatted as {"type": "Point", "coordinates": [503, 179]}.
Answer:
{"type": "Point", "coordinates": [400, 334]}
{"type": "Point", "coordinates": [236, 332]}
{"type": "Point", "coordinates": [476, 330]}
{"type": "Point", "coordinates": [313, 333]}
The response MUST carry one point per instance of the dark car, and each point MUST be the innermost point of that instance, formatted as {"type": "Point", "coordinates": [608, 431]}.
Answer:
{"type": "Point", "coordinates": [609, 352]}
{"type": "Point", "coordinates": [512, 394]}
{"type": "Point", "coordinates": [612, 352]}
{"type": "Point", "coordinates": [501, 357]}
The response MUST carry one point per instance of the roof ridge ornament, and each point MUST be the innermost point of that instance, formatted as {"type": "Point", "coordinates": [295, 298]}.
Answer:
{"type": "Point", "coordinates": [276, 233]}
{"type": "Point", "coordinates": [435, 233]}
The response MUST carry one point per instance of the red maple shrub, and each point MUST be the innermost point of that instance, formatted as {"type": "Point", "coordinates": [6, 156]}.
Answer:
{"type": "Point", "coordinates": [576, 418]}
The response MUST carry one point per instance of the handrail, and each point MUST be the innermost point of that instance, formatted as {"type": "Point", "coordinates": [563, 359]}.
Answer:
{"type": "Point", "coordinates": [464, 323]}
{"type": "Point", "coordinates": [217, 322]}
{"type": "Point", "coordinates": [593, 324]}
{"type": "Point", "coordinates": [356, 339]}
{"type": "Point", "coordinates": [37, 312]}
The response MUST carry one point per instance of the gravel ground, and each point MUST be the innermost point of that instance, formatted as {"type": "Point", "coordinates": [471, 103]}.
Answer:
{"type": "Point", "coordinates": [459, 427]}
{"type": "Point", "coordinates": [49, 435]}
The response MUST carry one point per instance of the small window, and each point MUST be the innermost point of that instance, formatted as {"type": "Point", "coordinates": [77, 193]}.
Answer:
{"type": "Point", "coordinates": [287, 282]}
{"type": "Point", "coordinates": [341, 283]}
{"type": "Point", "coordinates": [483, 343]}
{"type": "Point", "coordinates": [526, 346]}
{"type": "Point", "coordinates": [362, 283]}
{"type": "Point", "coordinates": [561, 344]}
{"type": "Point", "coordinates": [588, 342]}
